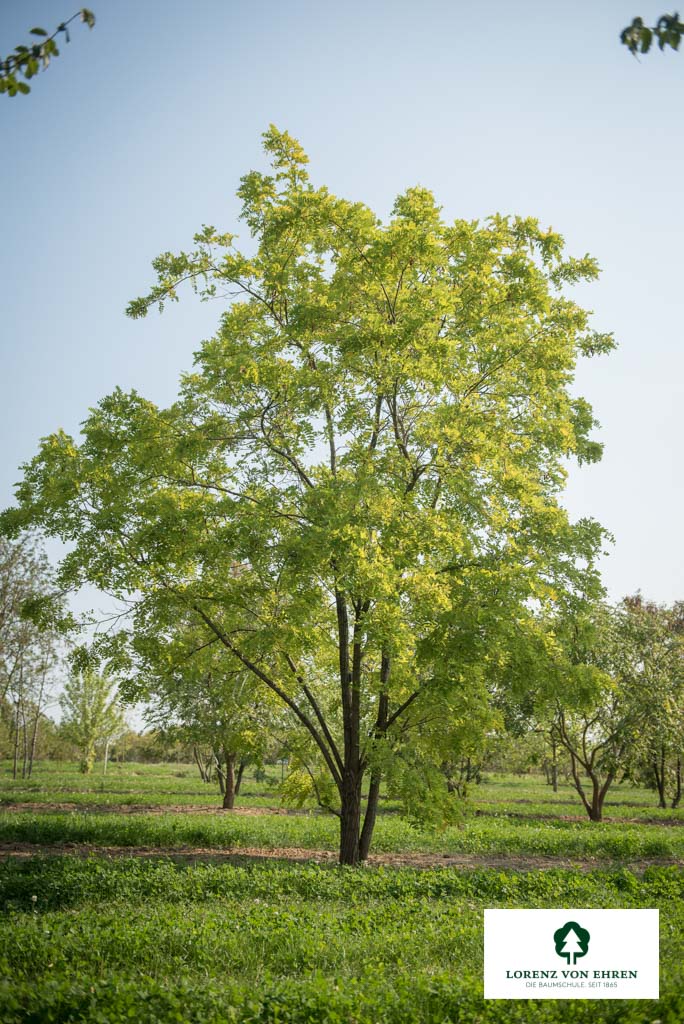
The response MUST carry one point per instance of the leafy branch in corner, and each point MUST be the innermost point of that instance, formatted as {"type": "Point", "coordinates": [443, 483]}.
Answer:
{"type": "Point", "coordinates": [26, 61]}
{"type": "Point", "coordinates": [638, 37]}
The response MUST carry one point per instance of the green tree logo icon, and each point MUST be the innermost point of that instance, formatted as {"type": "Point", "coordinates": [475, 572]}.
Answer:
{"type": "Point", "coordinates": [572, 941]}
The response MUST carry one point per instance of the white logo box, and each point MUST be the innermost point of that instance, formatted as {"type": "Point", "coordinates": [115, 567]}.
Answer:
{"type": "Point", "coordinates": [610, 954]}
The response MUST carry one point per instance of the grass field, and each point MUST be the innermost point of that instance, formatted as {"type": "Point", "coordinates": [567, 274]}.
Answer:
{"type": "Point", "coordinates": [180, 912]}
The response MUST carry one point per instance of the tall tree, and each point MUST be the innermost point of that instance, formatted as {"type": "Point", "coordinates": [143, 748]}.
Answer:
{"type": "Point", "coordinates": [377, 437]}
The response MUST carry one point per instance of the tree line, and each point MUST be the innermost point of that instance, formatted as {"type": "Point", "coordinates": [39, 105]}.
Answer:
{"type": "Point", "coordinates": [600, 701]}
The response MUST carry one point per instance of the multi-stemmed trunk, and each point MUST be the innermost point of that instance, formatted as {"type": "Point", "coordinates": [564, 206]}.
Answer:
{"type": "Point", "coordinates": [349, 765]}
{"type": "Point", "coordinates": [599, 789]}
{"type": "Point", "coordinates": [204, 769]}
{"type": "Point", "coordinates": [355, 837]}
{"type": "Point", "coordinates": [601, 777]}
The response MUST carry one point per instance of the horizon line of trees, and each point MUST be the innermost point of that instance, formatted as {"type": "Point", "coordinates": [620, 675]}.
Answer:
{"type": "Point", "coordinates": [596, 698]}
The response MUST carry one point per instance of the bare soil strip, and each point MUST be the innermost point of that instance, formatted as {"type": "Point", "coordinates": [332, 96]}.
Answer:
{"type": "Point", "coordinates": [246, 854]}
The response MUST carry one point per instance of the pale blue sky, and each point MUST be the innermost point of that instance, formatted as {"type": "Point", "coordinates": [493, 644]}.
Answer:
{"type": "Point", "coordinates": [140, 131]}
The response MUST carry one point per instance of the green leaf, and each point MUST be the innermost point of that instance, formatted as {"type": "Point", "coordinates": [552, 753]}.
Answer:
{"type": "Point", "coordinates": [23, 87]}
{"type": "Point", "coordinates": [38, 32]}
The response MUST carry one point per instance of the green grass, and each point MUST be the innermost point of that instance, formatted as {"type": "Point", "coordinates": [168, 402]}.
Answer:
{"type": "Point", "coordinates": [158, 785]}
{"type": "Point", "coordinates": [163, 941]}
{"type": "Point", "coordinates": [290, 942]}
{"type": "Point", "coordinates": [128, 784]}
{"type": "Point", "coordinates": [485, 836]}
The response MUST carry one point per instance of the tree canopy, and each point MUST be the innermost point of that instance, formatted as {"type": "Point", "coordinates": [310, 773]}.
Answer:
{"type": "Point", "coordinates": [357, 493]}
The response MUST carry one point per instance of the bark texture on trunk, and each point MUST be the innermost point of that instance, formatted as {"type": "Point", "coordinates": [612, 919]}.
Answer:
{"type": "Point", "coordinates": [238, 776]}
{"type": "Point", "coordinates": [229, 785]}
{"type": "Point", "coordinates": [350, 818]}
{"type": "Point", "coordinates": [369, 817]}
{"type": "Point", "coordinates": [659, 777]}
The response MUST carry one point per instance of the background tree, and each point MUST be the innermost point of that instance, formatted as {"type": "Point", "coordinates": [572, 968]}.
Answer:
{"type": "Point", "coordinates": [92, 716]}
{"type": "Point", "coordinates": [377, 435]}
{"type": "Point", "coordinates": [24, 584]}
{"type": "Point", "coordinates": [29, 693]}
{"type": "Point", "coordinates": [609, 690]}
{"type": "Point", "coordinates": [656, 634]}
{"type": "Point", "coordinates": [193, 690]}
{"type": "Point", "coordinates": [30, 609]}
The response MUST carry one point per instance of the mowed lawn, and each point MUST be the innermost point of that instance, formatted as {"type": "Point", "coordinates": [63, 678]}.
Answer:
{"type": "Point", "coordinates": [181, 912]}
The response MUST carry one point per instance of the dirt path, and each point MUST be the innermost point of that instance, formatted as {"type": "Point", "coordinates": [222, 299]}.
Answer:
{"type": "Point", "coordinates": [247, 854]}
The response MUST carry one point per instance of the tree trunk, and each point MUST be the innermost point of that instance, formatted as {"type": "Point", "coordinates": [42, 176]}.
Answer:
{"type": "Point", "coordinates": [554, 764]}
{"type": "Point", "coordinates": [599, 795]}
{"type": "Point", "coordinates": [352, 771]}
{"type": "Point", "coordinates": [370, 816]}
{"type": "Point", "coordinates": [25, 744]}
{"type": "Point", "coordinates": [220, 774]}
{"type": "Point", "coordinates": [593, 807]}
{"type": "Point", "coordinates": [87, 758]}
{"type": "Point", "coordinates": [238, 777]}
{"type": "Point", "coordinates": [596, 809]}
{"type": "Point", "coordinates": [659, 776]}
{"type": "Point", "coordinates": [376, 777]}
{"type": "Point", "coordinates": [34, 740]}
{"type": "Point", "coordinates": [350, 817]}
{"type": "Point", "coordinates": [16, 743]}
{"type": "Point", "coordinates": [229, 788]}
{"type": "Point", "coordinates": [678, 785]}
{"type": "Point", "coordinates": [199, 763]}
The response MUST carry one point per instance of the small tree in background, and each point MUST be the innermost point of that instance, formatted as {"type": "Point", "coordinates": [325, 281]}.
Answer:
{"type": "Point", "coordinates": [656, 638]}
{"type": "Point", "coordinates": [31, 613]}
{"type": "Point", "coordinates": [615, 685]}
{"type": "Point", "coordinates": [92, 715]}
